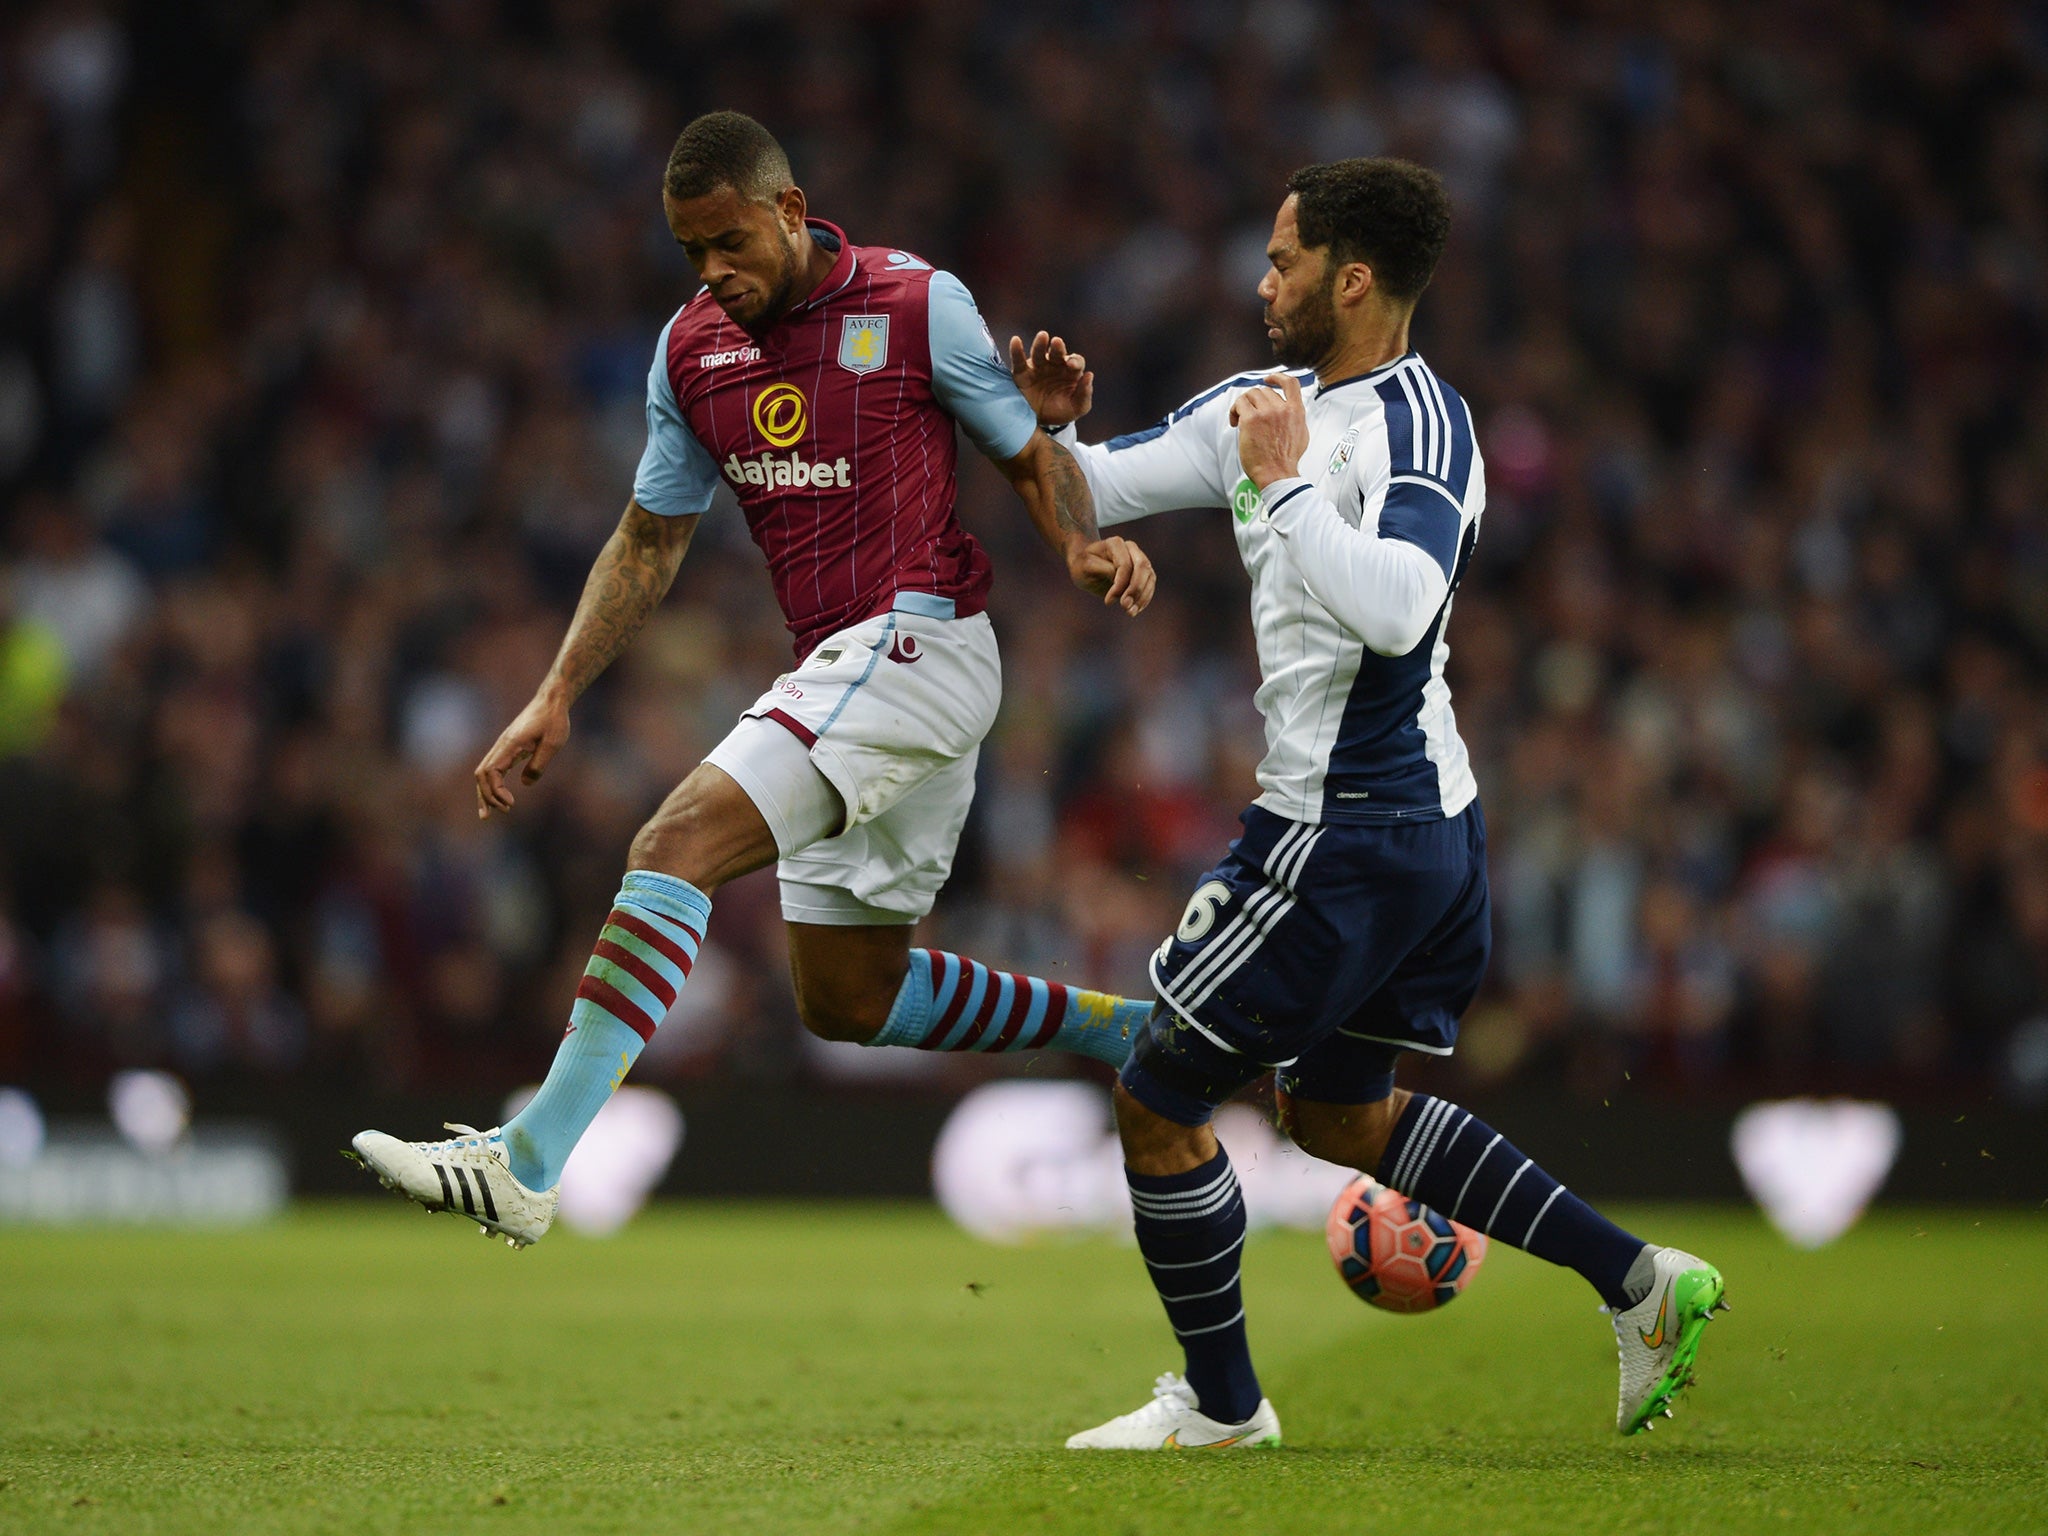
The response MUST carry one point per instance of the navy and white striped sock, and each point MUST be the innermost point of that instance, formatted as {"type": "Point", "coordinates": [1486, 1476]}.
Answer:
{"type": "Point", "coordinates": [1191, 1231]}
{"type": "Point", "coordinates": [1449, 1158]}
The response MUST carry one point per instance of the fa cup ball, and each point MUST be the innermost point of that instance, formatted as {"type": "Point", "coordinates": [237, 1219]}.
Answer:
{"type": "Point", "coordinates": [1397, 1253]}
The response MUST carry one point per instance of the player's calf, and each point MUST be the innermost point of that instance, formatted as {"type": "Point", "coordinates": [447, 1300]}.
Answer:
{"type": "Point", "coordinates": [1449, 1158]}
{"type": "Point", "coordinates": [949, 1002]}
{"type": "Point", "coordinates": [1189, 1218]}
{"type": "Point", "coordinates": [1350, 1135]}
{"type": "Point", "coordinates": [846, 978]}
{"type": "Point", "coordinates": [865, 984]}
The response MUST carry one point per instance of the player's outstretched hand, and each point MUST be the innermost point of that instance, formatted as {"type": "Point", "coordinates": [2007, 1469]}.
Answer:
{"type": "Point", "coordinates": [1057, 383]}
{"type": "Point", "coordinates": [1272, 429]}
{"type": "Point", "coordinates": [1116, 568]}
{"type": "Point", "coordinates": [534, 738]}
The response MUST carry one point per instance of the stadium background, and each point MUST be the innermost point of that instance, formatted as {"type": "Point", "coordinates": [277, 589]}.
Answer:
{"type": "Point", "coordinates": [323, 335]}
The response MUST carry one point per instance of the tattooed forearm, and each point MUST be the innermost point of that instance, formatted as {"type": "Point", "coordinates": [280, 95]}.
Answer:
{"type": "Point", "coordinates": [632, 574]}
{"type": "Point", "coordinates": [1072, 505]}
{"type": "Point", "coordinates": [1055, 492]}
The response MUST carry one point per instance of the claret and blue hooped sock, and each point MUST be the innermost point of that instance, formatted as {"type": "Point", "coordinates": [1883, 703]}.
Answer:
{"type": "Point", "coordinates": [641, 961]}
{"type": "Point", "coordinates": [951, 1003]}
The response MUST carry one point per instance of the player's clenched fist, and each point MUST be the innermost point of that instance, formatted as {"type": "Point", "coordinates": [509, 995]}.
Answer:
{"type": "Point", "coordinates": [1272, 430]}
{"type": "Point", "coordinates": [533, 738]}
{"type": "Point", "coordinates": [1116, 568]}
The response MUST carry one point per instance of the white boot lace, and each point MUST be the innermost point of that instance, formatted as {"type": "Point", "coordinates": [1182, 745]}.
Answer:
{"type": "Point", "coordinates": [468, 1139]}
{"type": "Point", "coordinates": [1174, 1392]}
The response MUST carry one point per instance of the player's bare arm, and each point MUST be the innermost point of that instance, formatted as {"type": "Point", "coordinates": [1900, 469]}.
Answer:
{"type": "Point", "coordinates": [1055, 493]}
{"type": "Point", "coordinates": [632, 574]}
{"type": "Point", "coordinates": [1060, 389]}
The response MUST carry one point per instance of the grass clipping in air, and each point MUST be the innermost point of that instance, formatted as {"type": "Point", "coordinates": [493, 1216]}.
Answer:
{"type": "Point", "coordinates": [793, 1369]}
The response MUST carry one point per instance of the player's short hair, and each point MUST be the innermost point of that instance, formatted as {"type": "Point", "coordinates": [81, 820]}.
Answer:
{"type": "Point", "coordinates": [726, 149]}
{"type": "Point", "coordinates": [1392, 215]}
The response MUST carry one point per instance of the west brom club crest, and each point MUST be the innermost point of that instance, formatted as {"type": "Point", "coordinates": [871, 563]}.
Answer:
{"type": "Point", "coordinates": [864, 343]}
{"type": "Point", "coordinates": [1342, 456]}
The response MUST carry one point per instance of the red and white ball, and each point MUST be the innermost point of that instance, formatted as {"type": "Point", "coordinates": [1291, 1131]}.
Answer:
{"type": "Point", "coordinates": [1397, 1253]}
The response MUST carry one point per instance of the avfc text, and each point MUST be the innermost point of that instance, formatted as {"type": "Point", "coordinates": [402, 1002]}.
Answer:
{"type": "Point", "coordinates": [794, 472]}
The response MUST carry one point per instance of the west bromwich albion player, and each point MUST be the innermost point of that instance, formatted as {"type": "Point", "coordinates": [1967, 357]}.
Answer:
{"type": "Point", "coordinates": [1350, 922]}
{"type": "Point", "coordinates": [822, 381]}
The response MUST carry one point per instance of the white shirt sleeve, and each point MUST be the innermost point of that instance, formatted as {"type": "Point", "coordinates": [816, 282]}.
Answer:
{"type": "Point", "coordinates": [1385, 591]}
{"type": "Point", "coordinates": [1173, 464]}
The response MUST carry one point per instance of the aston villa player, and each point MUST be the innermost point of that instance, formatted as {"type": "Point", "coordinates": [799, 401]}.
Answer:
{"type": "Point", "coordinates": [822, 381]}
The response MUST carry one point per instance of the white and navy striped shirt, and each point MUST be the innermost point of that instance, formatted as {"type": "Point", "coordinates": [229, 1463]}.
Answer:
{"type": "Point", "coordinates": [1353, 566]}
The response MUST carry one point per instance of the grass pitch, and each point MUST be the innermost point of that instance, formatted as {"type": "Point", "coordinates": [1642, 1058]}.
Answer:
{"type": "Point", "coordinates": [793, 1369]}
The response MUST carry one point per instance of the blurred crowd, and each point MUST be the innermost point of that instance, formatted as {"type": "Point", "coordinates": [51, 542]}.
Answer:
{"type": "Point", "coordinates": [324, 330]}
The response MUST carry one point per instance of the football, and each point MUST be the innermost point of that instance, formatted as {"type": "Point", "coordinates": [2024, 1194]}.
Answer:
{"type": "Point", "coordinates": [1397, 1253]}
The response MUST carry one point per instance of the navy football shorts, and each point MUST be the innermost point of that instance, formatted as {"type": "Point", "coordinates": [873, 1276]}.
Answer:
{"type": "Point", "coordinates": [1319, 953]}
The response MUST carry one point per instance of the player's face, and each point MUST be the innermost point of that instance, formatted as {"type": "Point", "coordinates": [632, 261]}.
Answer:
{"type": "Point", "coordinates": [744, 250]}
{"type": "Point", "coordinates": [1299, 292]}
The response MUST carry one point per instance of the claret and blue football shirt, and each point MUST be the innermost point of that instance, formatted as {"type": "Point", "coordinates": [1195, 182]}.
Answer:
{"type": "Point", "coordinates": [835, 431]}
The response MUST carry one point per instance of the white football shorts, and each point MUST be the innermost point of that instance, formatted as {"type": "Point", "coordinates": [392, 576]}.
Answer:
{"type": "Point", "coordinates": [891, 713]}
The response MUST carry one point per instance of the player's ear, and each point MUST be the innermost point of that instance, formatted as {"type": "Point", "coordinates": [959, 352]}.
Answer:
{"type": "Point", "coordinates": [792, 207]}
{"type": "Point", "coordinates": [1354, 282]}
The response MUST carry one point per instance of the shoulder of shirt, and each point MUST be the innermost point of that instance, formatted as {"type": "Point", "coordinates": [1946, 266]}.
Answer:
{"type": "Point", "coordinates": [1417, 371]}
{"type": "Point", "coordinates": [1416, 387]}
{"type": "Point", "coordinates": [1188, 408]}
{"type": "Point", "coordinates": [696, 311]}
{"type": "Point", "coordinates": [1409, 364]}
{"type": "Point", "coordinates": [694, 328]}
{"type": "Point", "coordinates": [665, 344]}
{"type": "Point", "coordinates": [1245, 380]}
{"type": "Point", "coordinates": [885, 263]}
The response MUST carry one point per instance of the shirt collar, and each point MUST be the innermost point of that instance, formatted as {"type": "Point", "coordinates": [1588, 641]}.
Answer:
{"type": "Point", "coordinates": [1411, 355]}
{"type": "Point", "coordinates": [832, 237]}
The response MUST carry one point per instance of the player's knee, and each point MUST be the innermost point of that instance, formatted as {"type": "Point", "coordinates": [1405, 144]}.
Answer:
{"type": "Point", "coordinates": [706, 832]}
{"type": "Point", "coordinates": [671, 843]}
{"type": "Point", "coordinates": [1155, 1145]}
{"type": "Point", "coordinates": [695, 838]}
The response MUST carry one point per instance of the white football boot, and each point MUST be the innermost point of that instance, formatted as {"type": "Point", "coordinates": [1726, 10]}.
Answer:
{"type": "Point", "coordinates": [1660, 1336]}
{"type": "Point", "coordinates": [1172, 1421]}
{"type": "Point", "coordinates": [473, 1172]}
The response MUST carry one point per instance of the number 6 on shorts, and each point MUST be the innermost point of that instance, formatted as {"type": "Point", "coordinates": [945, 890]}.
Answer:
{"type": "Point", "coordinates": [1200, 916]}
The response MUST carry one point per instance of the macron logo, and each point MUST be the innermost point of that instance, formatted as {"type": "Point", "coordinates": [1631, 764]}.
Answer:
{"type": "Point", "coordinates": [735, 355]}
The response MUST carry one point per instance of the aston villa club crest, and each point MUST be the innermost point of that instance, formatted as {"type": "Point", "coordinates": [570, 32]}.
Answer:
{"type": "Point", "coordinates": [864, 343]}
